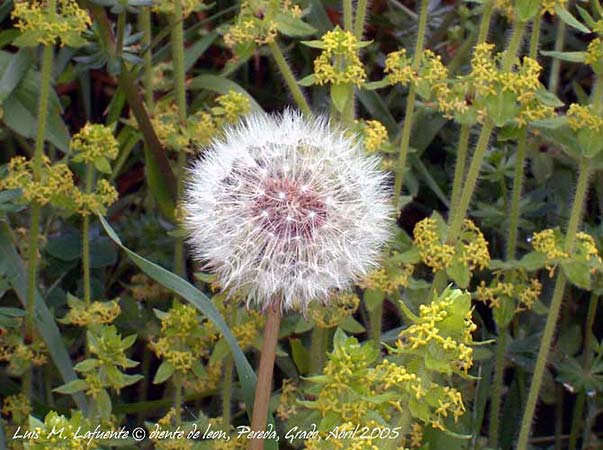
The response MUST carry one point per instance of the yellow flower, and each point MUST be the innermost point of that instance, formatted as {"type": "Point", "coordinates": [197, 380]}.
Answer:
{"type": "Point", "coordinates": [398, 67]}
{"type": "Point", "coordinates": [375, 135]}
{"type": "Point", "coordinates": [39, 25]}
{"type": "Point", "coordinates": [94, 141]}
{"type": "Point", "coordinates": [339, 62]}
{"type": "Point", "coordinates": [167, 6]}
{"type": "Point", "coordinates": [338, 307]}
{"type": "Point", "coordinates": [584, 116]}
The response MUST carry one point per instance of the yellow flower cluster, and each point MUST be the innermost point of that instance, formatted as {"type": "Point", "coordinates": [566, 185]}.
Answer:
{"type": "Point", "coordinates": [167, 423]}
{"type": "Point", "coordinates": [96, 313]}
{"type": "Point", "coordinates": [425, 332]}
{"type": "Point", "coordinates": [246, 332]}
{"type": "Point", "coordinates": [374, 135]}
{"type": "Point", "coordinates": [39, 25]}
{"type": "Point", "coordinates": [19, 355]}
{"type": "Point", "coordinates": [508, 7]}
{"type": "Point", "coordinates": [416, 435]}
{"type": "Point", "coordinates": [287, 404]}
{"type": "Point", "coordinates": [183, 341]}
{"type": "Point", "coordinates": [339, 306]}
{"type": "Point", "coordinates": [257, 22]}
{"type": "Point", "coordinates": [471, 248]}
{"type": "Point", "coordinates": [594, 55]}
{"type": "Point", "coordinates": [200, 128]}
{"type": "Point", "coordinates": [586, 250]}
{"type": "Point", "coordinates": [210, 381]}
{"type": "Point", "coordinates": [388, 281]}
{"type": "Point", "coordinates": [167, 6]}
{"type": "Point", "coordinates": [45, 436]}
{"type": "Point", "coordinates": [92, 142]}
{"type": "Point", "coordinates": [56, 181]}
{"type": "Point", "coordinates": [17, 407]}
{"type": "Point", "coordinates": [339, 62]}
{"type": "Point", "coordinates": [398, 67]}
{"type": "Point", "coordinates": [95, 202]}
{"type": "Point", "coordinates": [510, 286]}
{"type": "Point", "coordinates": [549, 6]}
{"type": "Point", "coordinates": [580, 117]}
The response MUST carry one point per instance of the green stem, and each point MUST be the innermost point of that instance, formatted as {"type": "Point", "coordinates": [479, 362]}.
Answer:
{"type": "Point", "coordinates": [144, 22]}
{"type": "Point", "coordinates": [376, 321]}
{"type": "Point", "coordinates": [458, 215]}
{"type": "Point", "coordinates": [178, 398]}
{"type": "Point", "coordinates": [584, 170]}
{"type": "Point", "coordinates": [347, 15]}
{"type": "Point", "coordinates": [121, 32]}
{"type": "Point", "coordinates": [361, 9]}
{"type": "Point", "coordinates": [497, 383]}
{"type": "Point", "coordinates": [518, 175]}
{"type": "Point", "coordinates": [410, 106]}
{"type": "Point", "coordinates": [34, 228]}
{"type": "Point", "coordinates": [177, 45]}
{"type": "Point", "coordinates": [587, 361]}
{"type": "Point", "coordinates": [556, 64]}
{"type": "Point", "coordinates": [514, 45]}
{"type": "Point", "coordinates": [86, 239]}
{"type": "Point", "coordinates": [484, 26]}
{"type": "Point", "coordinates": [227, 391]}
{"type": "Point", "coordinates": [459, 167]}
{"type": "Point", "coordinates": [290, 81]}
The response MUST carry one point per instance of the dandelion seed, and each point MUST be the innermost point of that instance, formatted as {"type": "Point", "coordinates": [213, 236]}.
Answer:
{"type": "Point", "coordinates": [287, 209]}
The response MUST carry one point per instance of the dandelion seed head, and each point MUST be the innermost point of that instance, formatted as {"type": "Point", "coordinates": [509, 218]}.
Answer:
{"type": "Point", "coordinates": [287, 209]}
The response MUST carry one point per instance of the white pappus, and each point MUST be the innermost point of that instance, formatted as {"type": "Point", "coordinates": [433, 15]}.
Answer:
{"type": "Point", "coordinates": [287, 208]}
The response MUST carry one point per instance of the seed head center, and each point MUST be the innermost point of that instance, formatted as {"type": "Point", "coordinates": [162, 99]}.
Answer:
{"type": "Point", "coordinates": [289, 209]}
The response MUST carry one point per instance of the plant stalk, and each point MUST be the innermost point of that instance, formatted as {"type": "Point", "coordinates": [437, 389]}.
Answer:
{"type": "Point", "coordinates": [584, 171]}
{"type": "Point", "coordinates": [459, 166]}
{"type": "Point", "coordinates": [317, 349]}
{"type": "Point", "coordinates": [496, 396]}
{"type": "Point", "coordinates": [361, 13]}
{"type": "Point", "coordinates": [347, 15]}
{"type": "Point", "coordinates": [556, 64]}
{"type": "Point", "coordinates": [290, 81]}
{"type": "Point", "coordinates": [144, 23]}
{"type": "Point", "coordinates": [227, 391]}
{"type": "Point", "coordinates": [410, 106]}
{"type": "Point", "coordinates": [577, 420]}
{"type": "Point", "coordinates": [264, 375]}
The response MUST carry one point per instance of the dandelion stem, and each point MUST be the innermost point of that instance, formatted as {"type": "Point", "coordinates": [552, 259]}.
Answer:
{"type": "Point", "coordinates": [289, 78]}
{"type": "Point", "coordinates": [410, 106]}
{"type": "Point", "coordinates": [177, 44]}
{"type": "Point", "coordinates": [584, 171]}
{"type": "Point", "coordinates": [264, 375]}
{"type": "Point", "coordinates": [586, 364]}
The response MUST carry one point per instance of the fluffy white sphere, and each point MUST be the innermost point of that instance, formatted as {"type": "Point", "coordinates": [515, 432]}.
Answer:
{"type": "Point", "coordinates": [286, 209]}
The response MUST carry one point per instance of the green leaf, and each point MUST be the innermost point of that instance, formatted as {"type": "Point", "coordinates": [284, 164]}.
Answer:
{"type": "Point", "coordinates": [374, 85]}
{"type": "Point", "coordinates": [314, 44]}
{"type": "Point", "coordinates": [309, 80]}
{"type": "Point", "coordinates": [16, 70]}
{"type": "Point", "coordinates": [221, 85]}
{"type": "Point", "coordinates": [72, 387]}
{"type": "Point", "coordinates": [86, 365]}
{"type": "Point", "coordinates": [569, 19]}
{"type": "Point", "coordinates": [459, 273]}
{"type": "Point", "coordinates": [577, 272]}
{"type": "Point", "coordinates": [352, 326]}
{"type": "Point", "coordinates": [191, 294]}
{"type": "Point", "coordinates": [158, 186]}
{"type": "Point", "coordinates": [165, 371]}
{"type": "Point", "coordinates": [45, 323]}
{"type": "Point", "coordinates": [548, 98]}
{"type": "Point", "coordinates": [527, 9]}
{"type": "Point", "coordinates": [103, 404]}
{"type": "Point", "coordinates": [532, 261]}
{"type": "Point", "coordinates": [301, 356]}
{"type": "Point", "coordinates": [293, 26]}
{"type": "Point", "coordinates": [341, 94]}
{"type": "Point", "coordinates": [102, 165]}
{"type": "Point", "coordinates": [577, 57]}
{"type": "Point", "coordinates": [586, 17]}
{"type": "Point", "coordinates": [551, 123]}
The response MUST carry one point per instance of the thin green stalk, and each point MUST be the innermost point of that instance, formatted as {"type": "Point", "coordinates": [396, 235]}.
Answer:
{"type": "Point", "coordinates": [121, 32]}
{"type": "Point", "coordinates": [484, 26]}
{"type": "Point", "coordinates": [361, 9]}
{"type": "Point", "coordinates": [410, 106]}
{"type": "Point", "coordinates": [458, 215]}
{"type": "Point", "coordinates": [317, 349]}
{"type": "Point", "coordinates": [459, 166]}
{"type": "Point", "coordinates": [577, 419]}
{"type": "Point", "coordinates": [144, 23]}
{"type": "Point", "coordinates": [518, 175]}
{"type": "Point", "coordinates": [496, 396]}
{"type": "Point", "coordinates": [227, 391]}
{"type": "Point", "coordinates": [86, 239]}
{"type": "Point", "coordinates": [178, 398]}
{"type": "Point", "coordinates": [290, 81]}
{"type": "Point", "coordinates": [584, 170]}
{"type": "Point", "coordinates": [177, 44]}
{"type": "Point", "coordinates": [34, 228]}
{"type": "Point", "coordinates": [348, 20]}
{"type": "Point", "coordinates": [556, 64]}
{"type": "Point", "coordinates": [376, 321]}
